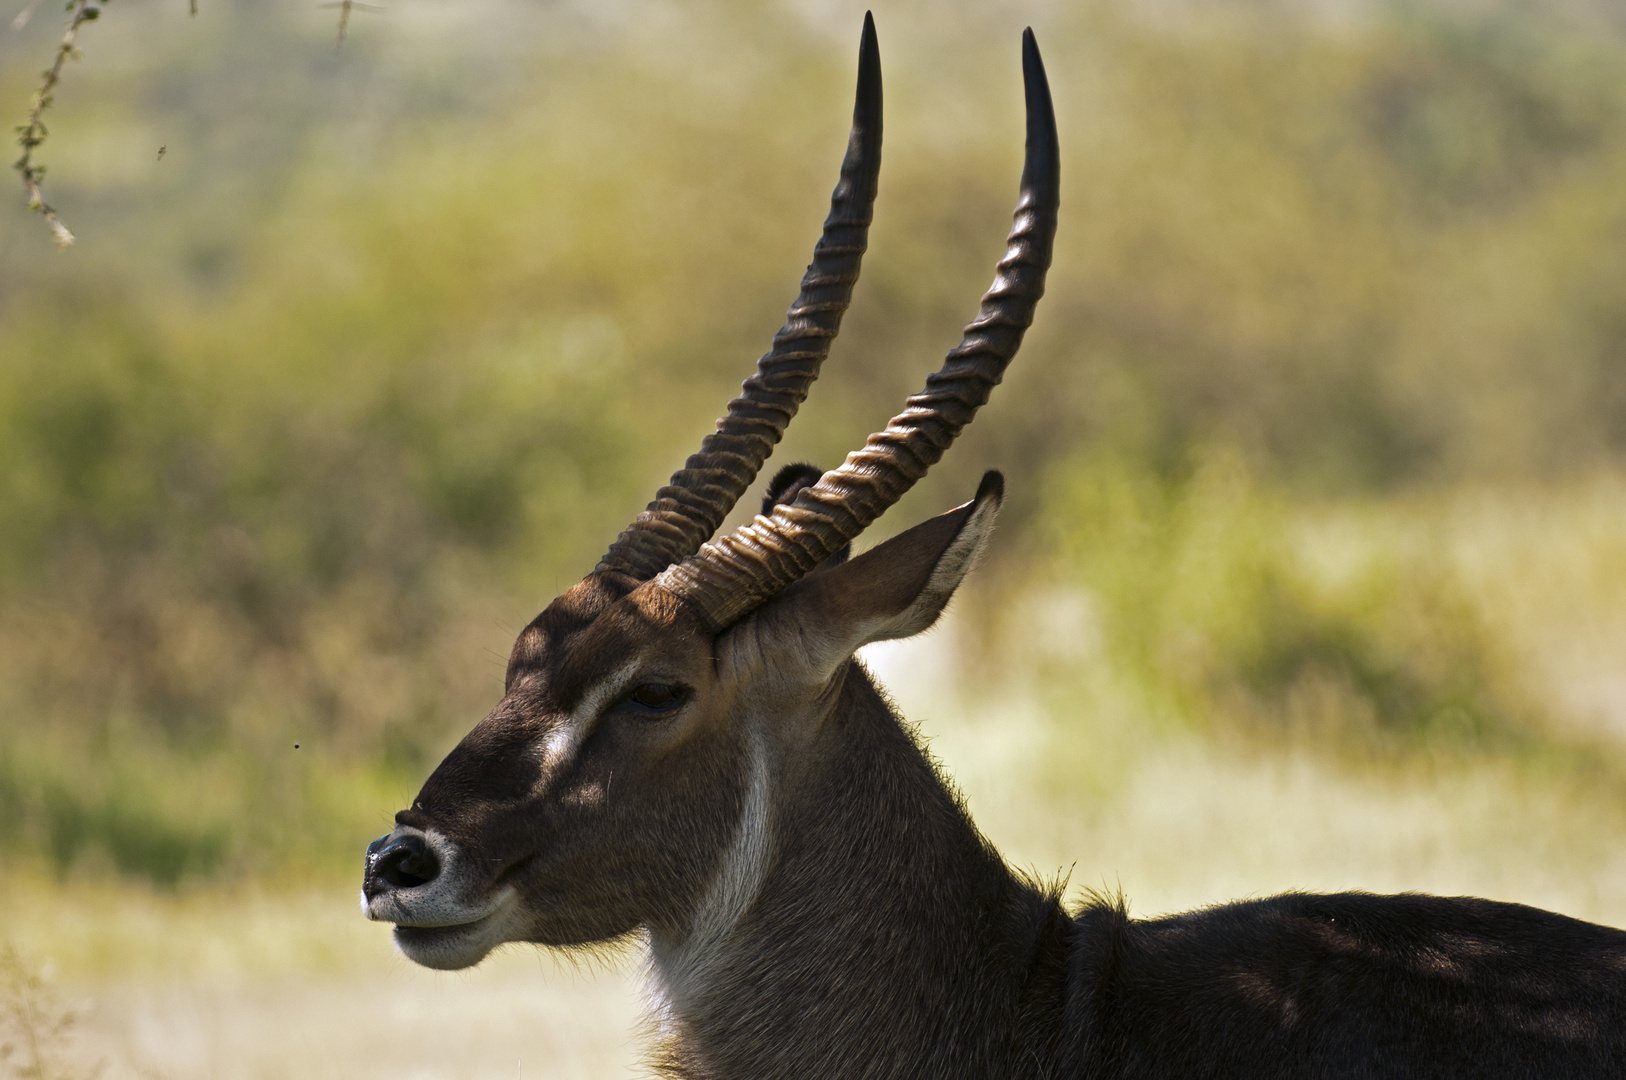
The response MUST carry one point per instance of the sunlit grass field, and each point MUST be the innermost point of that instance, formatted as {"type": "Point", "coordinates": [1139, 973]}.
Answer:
{"type": "Point", "coordinates": [1312, 575]}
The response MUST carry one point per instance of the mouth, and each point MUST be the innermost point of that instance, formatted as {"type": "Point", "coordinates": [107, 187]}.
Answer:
{"type": "Point", "coordinates": [447, 946]}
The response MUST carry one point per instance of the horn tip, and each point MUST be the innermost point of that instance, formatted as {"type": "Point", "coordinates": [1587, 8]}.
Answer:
{"type": "Point", "coordinates": [1041, 171]}
{"type": "Point", "coordinates": [869, 69]}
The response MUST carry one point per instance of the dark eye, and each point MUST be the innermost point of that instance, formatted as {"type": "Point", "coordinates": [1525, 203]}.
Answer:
{"type": "Point", "coordinates": [658, 697]}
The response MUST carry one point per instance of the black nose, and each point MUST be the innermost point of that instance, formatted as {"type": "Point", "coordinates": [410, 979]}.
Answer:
{"type": "Point", "coordinates": [400, 863]}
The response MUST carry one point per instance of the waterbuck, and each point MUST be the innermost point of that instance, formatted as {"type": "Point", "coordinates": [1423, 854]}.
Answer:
{"type": "Point", "coordinates": [686, 750]}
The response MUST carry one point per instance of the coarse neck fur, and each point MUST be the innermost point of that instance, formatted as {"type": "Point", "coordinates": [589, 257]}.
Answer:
{"type": "Point", "coordinates": [866, 919]}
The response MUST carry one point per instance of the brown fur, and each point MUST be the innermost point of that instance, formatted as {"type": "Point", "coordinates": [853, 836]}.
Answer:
{"type": "Point", "coordinates": [882, 936]}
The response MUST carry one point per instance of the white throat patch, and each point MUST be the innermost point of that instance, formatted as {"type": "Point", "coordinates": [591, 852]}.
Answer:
{"type": "Point", "coordinates": [679, 971]}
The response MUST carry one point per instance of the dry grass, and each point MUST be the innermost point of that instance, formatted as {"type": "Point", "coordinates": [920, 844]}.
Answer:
{"type": "Point", "coordinates": [510, 1018]}
{"type": "Point", "coordinates": [36, 1028]}
{"type": "Point", "coordinates": [251, 983]}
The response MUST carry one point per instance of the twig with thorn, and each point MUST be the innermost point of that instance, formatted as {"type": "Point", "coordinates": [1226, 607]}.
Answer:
{"type": "Point", "coordinates": [32, 134]}
{"type": "Point", "coordinates": [345, 7]}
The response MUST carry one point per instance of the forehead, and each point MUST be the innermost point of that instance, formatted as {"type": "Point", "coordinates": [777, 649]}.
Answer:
{"type": "Point", "coordinates": [596, 626]}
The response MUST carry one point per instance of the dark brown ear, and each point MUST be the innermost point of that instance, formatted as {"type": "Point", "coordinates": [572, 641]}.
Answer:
{"type": "Point", "coordinates": [790, 482]}
{"type": "Point", "coordinates": [894, 590]}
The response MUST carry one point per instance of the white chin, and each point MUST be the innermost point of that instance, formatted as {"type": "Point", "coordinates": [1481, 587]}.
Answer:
{"type": "Point", "coordinates": [449, 948]}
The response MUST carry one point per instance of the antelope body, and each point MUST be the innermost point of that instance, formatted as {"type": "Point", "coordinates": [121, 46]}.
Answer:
{"type": "Point", "coordinates": [687, 750]}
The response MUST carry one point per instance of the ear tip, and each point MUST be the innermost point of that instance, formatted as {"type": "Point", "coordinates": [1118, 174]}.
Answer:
{"type": "Point", "coordinates": [992, 487]}
{"type": "Point", "coordinates": [788, 483]}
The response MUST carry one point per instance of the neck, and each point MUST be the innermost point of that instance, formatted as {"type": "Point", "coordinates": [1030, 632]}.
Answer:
{"type": "Point", "coordinates": [858, 923]}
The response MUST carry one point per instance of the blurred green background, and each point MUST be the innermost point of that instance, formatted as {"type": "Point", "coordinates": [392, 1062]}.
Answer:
{"type": "Point", "coordinates": [1316, 452]}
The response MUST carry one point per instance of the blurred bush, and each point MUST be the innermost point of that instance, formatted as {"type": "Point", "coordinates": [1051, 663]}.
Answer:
{"type": "Point", "coordinates": [1225, 605]}
{"type": "Point", "coordinates": [307, 427]}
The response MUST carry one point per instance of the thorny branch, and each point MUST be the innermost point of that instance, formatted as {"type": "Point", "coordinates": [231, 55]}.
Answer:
{"type": "Point", "coordinates": [345, 8]}
{"type": "Point", "coordinates": [32, 134]}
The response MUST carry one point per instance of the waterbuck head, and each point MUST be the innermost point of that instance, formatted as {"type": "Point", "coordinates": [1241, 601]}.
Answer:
{"type": "Point", "coordinates": [625, 779]}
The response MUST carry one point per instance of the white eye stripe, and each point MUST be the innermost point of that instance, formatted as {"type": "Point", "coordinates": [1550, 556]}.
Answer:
{"type": "Point", "coordinates": [564, 741]}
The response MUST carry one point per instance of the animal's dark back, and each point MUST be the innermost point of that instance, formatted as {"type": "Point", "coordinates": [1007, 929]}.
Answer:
{"type": "Point", "coordinates": [1351, 985]}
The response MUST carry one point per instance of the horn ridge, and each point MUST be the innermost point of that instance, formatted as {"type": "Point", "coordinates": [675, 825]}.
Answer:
{"type": "Point", "coordinates": [734, 574]}
{"type": "Point", "coordinates": [690, 507]}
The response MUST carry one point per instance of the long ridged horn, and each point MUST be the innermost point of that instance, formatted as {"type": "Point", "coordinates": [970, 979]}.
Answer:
{"type": "Point", "coordinates": [733, 575]}
{"type": "Point", "coordinates": [689, 508]}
